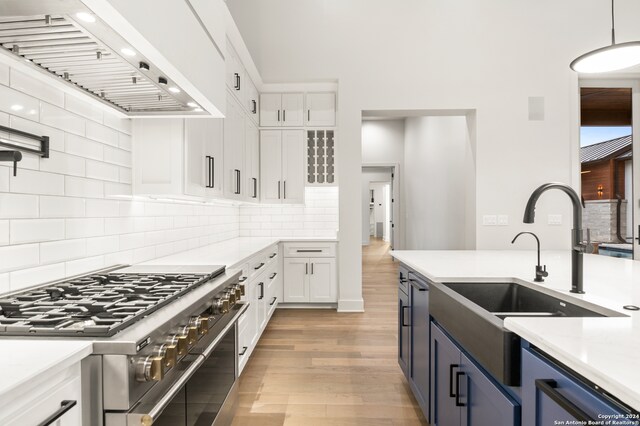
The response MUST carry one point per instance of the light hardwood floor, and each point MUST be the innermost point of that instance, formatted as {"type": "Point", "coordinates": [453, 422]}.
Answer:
{"type": "Point", "coordinates": [319, 367]}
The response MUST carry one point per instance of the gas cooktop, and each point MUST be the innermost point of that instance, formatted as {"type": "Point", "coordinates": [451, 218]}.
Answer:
{"type": "Point", "coordinates": [96, 305]}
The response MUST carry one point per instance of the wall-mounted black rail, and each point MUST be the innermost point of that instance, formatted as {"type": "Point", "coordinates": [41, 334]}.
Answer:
{"type": "Point", "coordinates": [15, 154]}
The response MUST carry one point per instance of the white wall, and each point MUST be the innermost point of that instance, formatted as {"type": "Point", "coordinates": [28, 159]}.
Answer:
{"type": "Point", "coordinates": [369, 175]}
{"type": "Point", "coordinates": [317, 218]}
{"type": "Point", "coordinates": [58, 217]}
{"type": "Point", "coordinates": [435, 190]}
{"type": "Point", "coordinates": [489, 56]}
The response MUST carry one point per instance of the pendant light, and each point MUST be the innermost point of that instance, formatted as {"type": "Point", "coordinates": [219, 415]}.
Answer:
{"type": "Point", "coordinates": [610, 58]}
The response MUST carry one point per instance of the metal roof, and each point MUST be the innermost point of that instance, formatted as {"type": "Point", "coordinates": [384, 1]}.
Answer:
{"type": "Point", "coordinates": [601, 150]}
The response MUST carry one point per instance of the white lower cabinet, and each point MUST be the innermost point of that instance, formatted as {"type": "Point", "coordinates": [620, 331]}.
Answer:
{"type": "Point", "coordinates": [310, 280]}
{"type": "Point", "coordinates": [45, 399]}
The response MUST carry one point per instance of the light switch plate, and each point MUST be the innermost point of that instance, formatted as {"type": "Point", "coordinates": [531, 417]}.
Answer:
{"type": "Point", "coordinates": [554, 219]}
{"type": "Point", "coordinates": [503, 220]}
{"type": "Point", "coordinates": [489, 220]}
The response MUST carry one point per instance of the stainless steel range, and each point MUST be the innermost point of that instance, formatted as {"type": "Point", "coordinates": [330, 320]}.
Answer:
{"type": "Point", "coordinates": [164, 339]}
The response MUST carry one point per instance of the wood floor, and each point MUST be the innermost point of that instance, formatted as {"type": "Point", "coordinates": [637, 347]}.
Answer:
{"type": "Point", "coordinates": [319, 367]}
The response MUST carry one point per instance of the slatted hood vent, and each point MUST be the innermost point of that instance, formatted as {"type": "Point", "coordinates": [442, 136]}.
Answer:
{"type": "Point", "coordinates": [91, 57]}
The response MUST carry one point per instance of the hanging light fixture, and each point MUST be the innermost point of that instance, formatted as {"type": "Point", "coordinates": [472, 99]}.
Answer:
{"type": "Point", "coordinates": [610, 58]}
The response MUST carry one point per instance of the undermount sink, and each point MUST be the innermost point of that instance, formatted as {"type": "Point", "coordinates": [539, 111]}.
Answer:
{"type": "Point", "coordinates": [473, 313]}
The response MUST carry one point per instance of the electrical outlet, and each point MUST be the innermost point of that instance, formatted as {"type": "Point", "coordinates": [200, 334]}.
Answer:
{"type": "Point", "coordinates": [503, 220]}
{"type": "Point", "coordinates": [489, 220]}
{"type": "Point", "coordinates": [554, 219]}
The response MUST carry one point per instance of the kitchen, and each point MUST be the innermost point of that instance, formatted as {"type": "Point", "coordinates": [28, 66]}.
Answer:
{"type": "Point", "coordinates": [269, 187]}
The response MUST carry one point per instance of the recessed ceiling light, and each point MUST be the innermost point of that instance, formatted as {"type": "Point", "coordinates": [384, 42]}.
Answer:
{"type": "Point", "coordinates": [192, 104]}
{"type": "Point", "coordinates": [174, 90]}
{"type": "Point", "coordinates": [32, 112]}
{"type": "Point", "coordinates": [17, 107]}
{"type": "Point", "coordinates": [198, 110]}
{"type": "Point", "coordinates": [86, 17]}
{"type": "Point", "coordinates": [127, 51]}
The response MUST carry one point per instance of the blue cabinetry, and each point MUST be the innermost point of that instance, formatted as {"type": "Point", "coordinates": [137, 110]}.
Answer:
{"type": "Point", "coordinates": [551, 394]}
{"type": "Point", "coordinates": [413, 334]}
{"type": "Point", "coordinates": [461, 393]}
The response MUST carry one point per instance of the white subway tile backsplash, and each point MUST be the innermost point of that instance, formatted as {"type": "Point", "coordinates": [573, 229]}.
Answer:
{"type": "Point", "coordinates": [102, 208]}
{"type": "Point", "coordinates": [32, 276]}
{"type": "Point", "coordinates": [65, 164]}
{"type": "Point", "coordinates": [61, 119]}
{"type": "Point", "coordinates": [61, 207]}
{"type": "Point", "coordinates": [36, 182]}
{"type": "Point", "coordinates": [117, 156]}
{"type": "Point", "coordinates": [60, 251]}
{"type": "Point", "coordinates": [102, 245]}
{"type": "Point", "coordinates": [37, 88]}
{"type": "Point", "coordinates": [88, 227]}
{"type": "Point", "coordinates": [17, 257]}
{"type": "Point", "coordinates": [82, 266]}
{"type": "Point", "coordinates": [83, 147]}
{"type": "Point", "coordinates": [102, 171]}
{"type": "Point", "coordinates": [100, 133]}
{"type": "Point", "coordinates": [82, 107]}
{"type": "Point", "coordinates": [18, 206]}
{"type": "Point", "coordinates": [35, 230]}
{"type": "Point", "coordinates": [17, 103]}
{"type": "Point", "coordinates": [4, 232]}
{"type": "Point", "coordinates": [81, 187]}
{"type": "Point", "coordinates": [54, 218]}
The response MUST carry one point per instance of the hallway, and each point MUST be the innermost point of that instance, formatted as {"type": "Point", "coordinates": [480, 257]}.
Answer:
{"type": "Point", "coordinates": [317, 367]}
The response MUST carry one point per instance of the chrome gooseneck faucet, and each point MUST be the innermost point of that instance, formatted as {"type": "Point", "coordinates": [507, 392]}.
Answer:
{"type": "Point", "coordinates": [541, 271]}
{"type": "Point", "coordinates": [577, 248]}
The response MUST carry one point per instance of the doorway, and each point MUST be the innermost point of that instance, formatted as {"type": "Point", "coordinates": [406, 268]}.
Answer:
{"type": "Point", "coordinates": [606, 168]}
{"type": "Point", "coordinates": [380, 205]}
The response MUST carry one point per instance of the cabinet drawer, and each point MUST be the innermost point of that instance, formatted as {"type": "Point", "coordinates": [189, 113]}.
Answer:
{"type": "Point", "coordinates": [310, 249]}
{"type": "Point", "coordinates": [271, 254]}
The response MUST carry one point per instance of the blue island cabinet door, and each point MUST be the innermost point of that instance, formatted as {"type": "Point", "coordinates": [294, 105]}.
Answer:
{"type": "Point", "coordinates": [445, 362]}
{"type": "Point", "coordinates": [420, 323]}
{"type": "Point", "coordinates": [551, 395]}
{"type": "Point", "coordinates": [404, 332]}
{"type": "Point", "coordinates": [482, 402]}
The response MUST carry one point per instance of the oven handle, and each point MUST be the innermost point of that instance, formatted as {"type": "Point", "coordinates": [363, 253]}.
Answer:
{"type": "Point", "coordinates": [159, 407]}
{"type": "Point", "coordinates": [207, 352]}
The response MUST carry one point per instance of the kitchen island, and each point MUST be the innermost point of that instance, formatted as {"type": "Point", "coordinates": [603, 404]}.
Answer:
{"type": "Point", "coordinates": [603, 350]}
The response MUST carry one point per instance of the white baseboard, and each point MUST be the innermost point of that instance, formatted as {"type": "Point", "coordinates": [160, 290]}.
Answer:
{"type": "Point", "coordinates": [351, 305]}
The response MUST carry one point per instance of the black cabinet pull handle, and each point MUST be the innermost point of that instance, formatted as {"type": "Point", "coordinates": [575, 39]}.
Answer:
{"type": "Point", "coordinates": [284, 115]}
{"type": "Point", "coordinates": [209, 185]}
{"type": "Point", "coordinates": [284, 189]}
{"type": "Point", "coordinates": [458, 375]}
{"type": "Point", "coordinates": [255, 106]}
{"type": "Point", "coordinates": [278, 190]}
{"type": "Point", "coordinates": [261, 291]}
{"type": "Point", "coordinates": [237, 181]}
{"type": "Point", "coordinates": [212, 169]}
{"type": "Point", "coordinates": [259, 266]}
{"type": "Point", "coordinates": [308, 115]}
{"type": "Point", "coordinates": [309, 250]}
{"type": "Point", "coordinates": [403, 316]}
{"type": "Point", "coordinates": [273, 275]}
{"type": "Point", "coordinates": [244, 351]}
{"type": "Point", "coordinates": [306, 269]}
{"type": "Point", "coordinates": [255, 187]}
{"type": "Point", "coordinates": [278, 116]}
{"type": "Point", "coordinates": [65, 406]}
{"type": "Point", "coordinates": [451, 392]}
{"type": "Point", "coordinates": [237, 76]}
{"type": "Point", "coordinates": [638, 235]}
{"type": "Point", "coordinates": [273, 301]}
{"type": "Point", "coordinates": [312, 269]}
{"type": "Point", "coordinates": [273, 255]}
{"type": "Point", "coordinates": [549, 388]}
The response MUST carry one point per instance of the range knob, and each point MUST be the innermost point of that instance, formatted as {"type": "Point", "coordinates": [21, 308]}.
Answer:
{"type": "Point", "coordinates": [242, 289]}
{"type": "Point", "coordinates": [150, 368]}
{"type": "Point", "coordinates": [168, 351]}
{"type": "Point", "coordinates": [220, 306]}
{"type": "Point", "coordinates": [239, 290]}
{"type": "Point", "coordinates": [190, 333]}
{"type": "Point", "coordinates": [201, 324]}
{"type": "Point", "coordinates": [231, 295]}
{"type": "Point", "coordinates": [180, 343]}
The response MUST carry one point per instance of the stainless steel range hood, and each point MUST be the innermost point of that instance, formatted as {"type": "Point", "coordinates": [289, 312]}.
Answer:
{"type": "Point", "coordinates": [64, 39]}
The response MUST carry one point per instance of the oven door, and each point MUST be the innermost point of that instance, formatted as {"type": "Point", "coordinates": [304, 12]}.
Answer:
{"type": "Point", "coordinates": [204, 390]}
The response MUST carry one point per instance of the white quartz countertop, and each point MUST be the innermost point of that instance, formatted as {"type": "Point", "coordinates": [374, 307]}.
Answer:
{"type": "Point", "coordinates": [229, 252]}
{"type": "Point", "coordinates": [605, 351]}
{"type": "Point", "coordinates": [24, 360]}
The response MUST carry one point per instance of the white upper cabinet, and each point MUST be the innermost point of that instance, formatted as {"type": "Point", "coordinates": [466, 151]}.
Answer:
{"type": "Point", "coordinates": [252, 101]}
{"type": "Point", "coordinates": [239, 83]}
{"type": "Point", "coordinates": [321, 110]}
{"type": "Point", "coordinates": [282, 166]}
{"type": "Point", "coordinates": [234, 71]}
{"type": "Point", "coordinates": [281, 109]}
{"type": "Point", "coordinates": [203, 157]}
{"type": "Point", "coordinates": [234, 151]}
{"type": "Point", "coordinates": [252, 161]}
{"type": "Point", "coordinates": [178, 157]}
